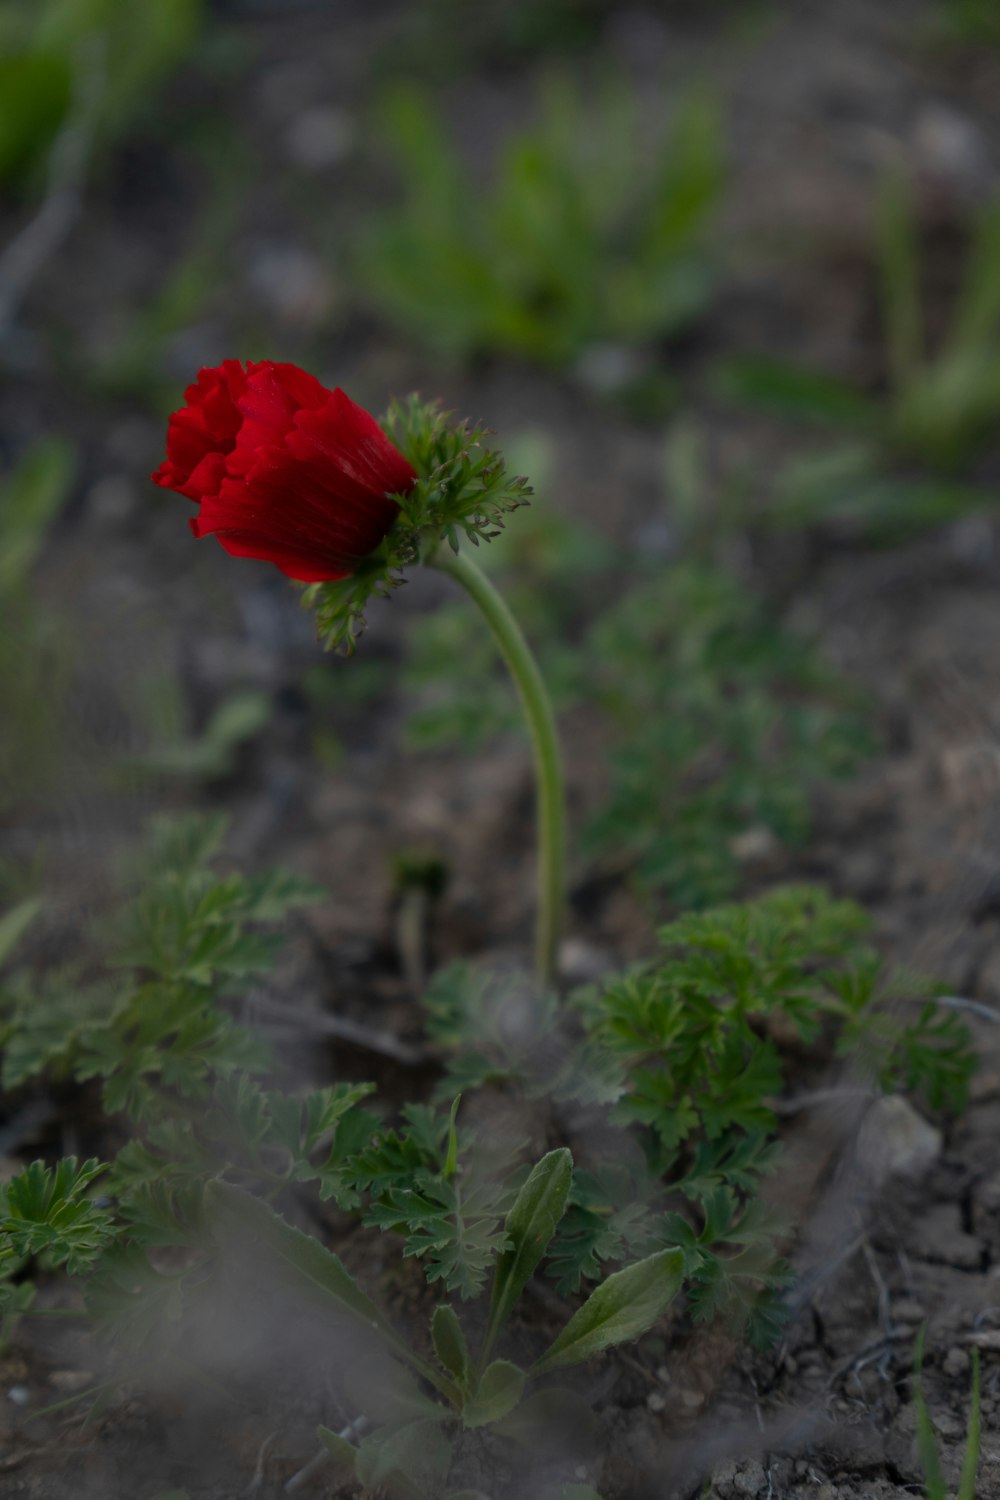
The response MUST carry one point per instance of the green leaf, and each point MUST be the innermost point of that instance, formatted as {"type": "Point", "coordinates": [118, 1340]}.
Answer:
{"type": "Point", "coordinates": [970, 1463]}
{"type": "Point", "coordinates": [927, 1448]}
{"type": "Point", "coordinates": [235, 1213]}
{"type": "Point", "coordinates": [899, 264]}
{"type": "Point", "coordinates": [44, 1209]}
{"type": "Point", "coordinates": [31, 495]}
{"type": "Point", "coordinates": [16, 1298]}
{"type": "Point", "coordinates": [344, 1452]}
{"type": "Point", "coordinates": [620, 1309]}
{"type": "Point", "coordinates": [449, 1342]}
{"type": "Point", "coordinates": [404, 1458]}
{"type": "Point", "coordinates": [794, 390]}
{"type": "Point", "coordinates": [530, 1225]}
{"type": "Point", "coordinates": [498, 1392]}
{"type": "Point", "coordinates": [14, 924]}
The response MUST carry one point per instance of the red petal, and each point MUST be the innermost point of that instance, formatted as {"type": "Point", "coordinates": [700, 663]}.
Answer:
{"type": "Point", "coordinates": [208, 424]}
{"type": "Point", "coordinates": [353, 443]}
{"type": "Point", "coordinates": [274, 395]}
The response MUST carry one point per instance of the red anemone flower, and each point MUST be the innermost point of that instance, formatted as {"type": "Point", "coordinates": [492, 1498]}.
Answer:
{"type": "Point", "coordinates": [283, 469]}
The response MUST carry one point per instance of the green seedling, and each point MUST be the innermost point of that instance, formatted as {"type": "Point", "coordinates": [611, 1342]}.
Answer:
{"type": "Point", "coordinates": [31, 497]}
{"type": "Point", "coordinates": [589, 236]}
{"type": "Point", "coordinates": [939, 406]}
{"type": "Point", "coordinates": [935, 1485]}
{"type": "Point", "coordinates": [211, 755]}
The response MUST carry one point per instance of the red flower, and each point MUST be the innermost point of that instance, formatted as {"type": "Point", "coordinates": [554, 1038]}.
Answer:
{"type": "Point", "coordinates": [284, 469]}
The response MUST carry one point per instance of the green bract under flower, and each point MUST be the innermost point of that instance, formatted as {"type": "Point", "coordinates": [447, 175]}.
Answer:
{"type": "Point", "coordinates": [463, 489]}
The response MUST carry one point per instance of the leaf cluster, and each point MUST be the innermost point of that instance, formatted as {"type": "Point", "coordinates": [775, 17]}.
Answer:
{"type": "Point", "coordinates": [45, 1211]}
{"type": "Point", "coordinates": [156, 1023]}
{"type": "Point", "coordinates": [593, 231]}
{"type": "Point", "coordinates": [447, 1206]}
{"type": "Point", "coordinates": [686, 1053]}
{"type": "Point", "coordinates": [683, 1044]}
{"type": "Point", "coordinates": [725, 722]}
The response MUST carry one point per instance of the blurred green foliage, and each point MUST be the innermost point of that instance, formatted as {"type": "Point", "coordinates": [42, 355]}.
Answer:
{"type": "Point", "coordinates": [973, 21]}
{"type": "Point", "coordinates": [592, 232]}
{"type": "Point", "coordinates": [213, 752]}
{"type": "Point", "coordinates": [937, 410]}
{"type": "Point", "coordinates": [723, 724]}
{"type": "Point", "coordinates": [33, 650]}
{"type": "Point", "coordinates": [137, 365]}
{"type": "Point", "coordinates": [443, 37]}
{"type": "Point", "coordinates": [56, 54]}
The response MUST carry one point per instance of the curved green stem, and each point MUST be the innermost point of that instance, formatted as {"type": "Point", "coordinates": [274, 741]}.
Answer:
{"type": "Point", "coordinates": [545, 743]}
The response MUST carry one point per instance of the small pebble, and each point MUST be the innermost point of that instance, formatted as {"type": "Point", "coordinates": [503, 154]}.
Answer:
{"type": "Point", "coordinates": [320, 137]}
{"type": "Point", "coordinates": [19, 1394]}
{"type": "Point", "coordinates": [949, 1426]}
{"type": "Point", "coordinates": [895, 1141]}
{"type": "Point", "coordinates": [750, 1480]}
{"type": "Point", "coordinates": [656, 1401]}
{"type": "Point", "coordinates": [955, 1362]}
{"type": "Point", "coordinates": [907, 1310]}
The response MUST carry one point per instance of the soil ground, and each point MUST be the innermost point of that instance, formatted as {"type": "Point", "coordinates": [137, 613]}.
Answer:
{"type": "Point", "coordinates": [898, 1227]}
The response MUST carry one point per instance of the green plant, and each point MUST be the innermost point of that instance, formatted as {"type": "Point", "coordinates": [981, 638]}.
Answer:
{"type": "Point", "coordinates": [680, 1052]}
{"type": "Point", "coordinates": [938, 407]}
{"type": "Point", "coordinates": [418, 1410]}
{"type": "Point", "coordinates": [155, 1025]}
{"type": "Point", "coordinates": [675, 1054]}
{"type": "Point", "coordinates": [32, 646]}
{"type": "Point", "coordinates": [660, 1082]}
{"type": "Point", "coordinates": [724, 721]}
{"type": "Point", "coordinates": [238, 719]}
{"type": "Point", "coordinates": [970, 21]}
{"type": "Point", "coordinates": [444, 37]}
{"type": "Point", "coordinates": [935, 1485]}
{"type": "Point", "coordinates": [52, 53]}
{"type": "Point", "coordinates": [587, 236]}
